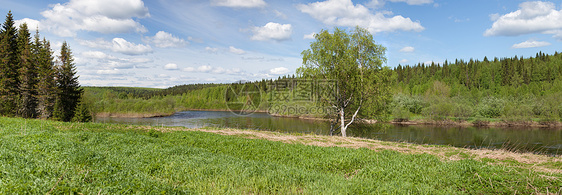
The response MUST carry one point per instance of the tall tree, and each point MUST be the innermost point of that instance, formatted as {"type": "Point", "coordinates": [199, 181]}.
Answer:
{"type": "Point", "coordinates": [46, 87]}
{"type": "Point", "coordinates": [8, 67]}
{"type": "Point", "coordinates": [68, 86]}
{"type": "Point", "coordinates": [354, 61]}
{"type": "Point", "coordinates": [27, 74]}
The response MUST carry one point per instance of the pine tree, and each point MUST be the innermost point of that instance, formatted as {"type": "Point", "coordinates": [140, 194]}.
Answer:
{"type": "Point", "coordinates": [46, 87]}
{"type": "Point", "coordinates": [8, 67]}
{"type": "Point", "coordinates": [69, 88]}
{"type": "Point", "coordinates": [82, 113]}
{"type": "Point", "coordinates": [27, 74]}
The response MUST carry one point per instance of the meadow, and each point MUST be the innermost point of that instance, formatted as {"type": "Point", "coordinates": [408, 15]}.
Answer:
{"type": "Point", "coordinates": [40, 156]}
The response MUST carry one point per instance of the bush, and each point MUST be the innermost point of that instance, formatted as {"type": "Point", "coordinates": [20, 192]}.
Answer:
{"type": "Point", "coordinates": [438, 111]}
{"type": "Point", "coordinates": [462, 110]}
{"type": "Point", "coordinates": [413, 104]}
{"type": "Point", "coordinates": [491, 107]}
{"type": "Point", "coordinates": [401, 114]}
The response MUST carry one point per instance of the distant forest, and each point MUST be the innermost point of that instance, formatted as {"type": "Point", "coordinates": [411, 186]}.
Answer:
{"type": "Point", "coordinates": [515, 89]}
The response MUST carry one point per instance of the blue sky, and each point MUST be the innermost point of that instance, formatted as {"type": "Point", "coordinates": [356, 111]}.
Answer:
{"type": "Point", "coordinates": [162, 43]}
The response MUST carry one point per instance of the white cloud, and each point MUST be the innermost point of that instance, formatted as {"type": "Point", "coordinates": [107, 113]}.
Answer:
{"type": "Point", "coordinates": [272, 31]}
{"type": "Point", "coordinates": [211, 49]}
{"type": "Point", "coordinates": [138, 60]}
{"type": "Point", "coordinates": [235, 50]}
{"type": "Point", "coordinates": [204, 68]}
{"type": "Point", "coordinates": [101, 60]}
{"type": "Point", "coordinates": [531, 17]}
{"type": "Point", "coordinates": [279, 71]}
{"type": "Point", "coordinates": [239, 3]}
{"type": "Point", "coordinates": [97, 55]}
{"type": "Point", "coordinates": [164, 40]}
{"type": "Point", "coordinates": [123, 46]}
{"type": "Point", "coordinates": [109, 72]}
{"type": "Point", "coordinates": [414, 2]}
{"type": "Point", "coordinates": [119, 45]}
{"type": "Point", "coordinates": [219, 70]}
{"type": "Point", "coordinates": [189, 69]}
{"type": "Point", "coordinates": [233, 71]}
{"type": "Point", "coordinates": [530, 44]}
{"type": "Point", "coordinates": [309, 36]}
{"type": "Point", "coordinates": [104, 16]}
{"type": "Point", "coordinates": [214, 70]}
{"type": "Point", "coordinates": [404, 61]}
{"type": "Point", "coordinates": [380, 3]}
{"type": "Point", "coordinates": [32, 24]}
{"type": "Point", "coordinates": [345, 13]}
{"type": "Point", "coordinates": [171, 66]}
{"type": "Point", "coordinates": [494, 17]}
{"type": "Point", "coordinates": [407, 49]}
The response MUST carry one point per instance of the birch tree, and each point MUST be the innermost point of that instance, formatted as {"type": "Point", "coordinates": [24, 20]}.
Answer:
{"type": "Point", "coordinates": [354, 61]}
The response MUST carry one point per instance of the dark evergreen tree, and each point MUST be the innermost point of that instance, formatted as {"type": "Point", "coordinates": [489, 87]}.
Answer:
{"type": "Point", "coordinates": [46, 87]}
{"type": "Point", "coordinates": [68, 86]}
{"type": "Point", "coordinates": [82, 113]}
{"type": "Point", "coordinates": [27, 74]}
{"type": "Point", "coordinates": [8, 67]}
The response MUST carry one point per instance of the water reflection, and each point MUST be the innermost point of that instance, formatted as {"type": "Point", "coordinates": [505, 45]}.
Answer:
{"type": "Point", "coordinates": [545, 141]}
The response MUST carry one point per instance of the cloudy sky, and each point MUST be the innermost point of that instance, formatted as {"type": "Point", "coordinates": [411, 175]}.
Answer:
{"type": "Point", "coordinates": [162, 43]}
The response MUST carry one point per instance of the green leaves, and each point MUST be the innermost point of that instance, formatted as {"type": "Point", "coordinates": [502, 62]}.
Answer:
{"type": "Point", "coordinates": [354, 61]}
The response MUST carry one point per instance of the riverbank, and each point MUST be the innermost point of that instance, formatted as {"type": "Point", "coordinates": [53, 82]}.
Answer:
{"type": "Point", "coordinates": [132, 115]}
{"type": "Point", "coordinates": [483, 123]}
{"type": "Point", "coordinates": [41, 157]}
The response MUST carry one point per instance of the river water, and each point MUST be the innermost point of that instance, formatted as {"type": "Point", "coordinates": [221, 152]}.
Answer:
{"type": "Point", "coordinates": [536, 140]}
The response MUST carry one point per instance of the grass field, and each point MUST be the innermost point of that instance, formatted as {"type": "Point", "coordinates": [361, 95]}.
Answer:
{"type": "Point", "coordinates": [39, 157]}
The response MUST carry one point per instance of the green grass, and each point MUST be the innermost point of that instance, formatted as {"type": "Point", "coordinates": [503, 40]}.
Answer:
{"type": "Point", "coordinates": [39, 157]}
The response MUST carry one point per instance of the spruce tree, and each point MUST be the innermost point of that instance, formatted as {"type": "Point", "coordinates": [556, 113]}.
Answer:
{"type": "Point", "coordinates": [46, 87]}
{"type": "Point", "coordinates": [8, 67]}
{"type": "Point", "coordinates": [27, 74]}
{"type": "Point", "coordinates": [68, 86]}
{"type": "Point", "coordinates": [82, 113]}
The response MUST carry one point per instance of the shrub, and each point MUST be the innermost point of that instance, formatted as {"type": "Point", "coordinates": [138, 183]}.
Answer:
{"type": "Point", "coordinates": [400, 114]}
{"type": "Point", "coordinates": [438, 111]}
{"type": "Point", "coordinates": [413, 104]}
{"type": "Point", "coordinates": [491, 107]}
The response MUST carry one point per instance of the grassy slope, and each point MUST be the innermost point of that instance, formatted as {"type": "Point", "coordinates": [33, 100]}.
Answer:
{"type": "Point", "coordinates": [43, 156]}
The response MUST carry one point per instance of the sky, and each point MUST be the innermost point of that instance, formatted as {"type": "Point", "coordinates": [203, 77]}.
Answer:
{"type": "Point", "coordinates": [163, 43]}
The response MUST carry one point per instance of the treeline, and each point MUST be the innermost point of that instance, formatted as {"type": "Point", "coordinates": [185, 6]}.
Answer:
{"type": "Point", "coordinates": [33, 82]}
{"type": "Point", "coordinates": [147, 93]}
{"type": "Point", "coordinates": [129, 101]}
{"type": "Point", "coordinates": [517, 88]}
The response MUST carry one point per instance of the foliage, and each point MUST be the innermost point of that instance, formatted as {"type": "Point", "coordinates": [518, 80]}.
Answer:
{"type": "Point", "coordinates": [82, 113]}
{"type": "Point", "coordinates": [354, 62]}
{"type": "Point", "coordinates": [30, 85]}
{"type": "Point", "coordinates": [517, 88]}
{"type": "Point", "coordinates": [27, 74]}
{"type": "Point", "coordinates": [46, 87]}
{"type": "Point", "coordinates": [68, 85]}
{"type": "Point", "coordinates": [8, 67]}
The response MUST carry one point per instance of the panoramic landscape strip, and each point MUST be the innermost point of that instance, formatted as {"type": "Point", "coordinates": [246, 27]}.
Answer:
{"type": "Point", "coordinates": [41, 156]}
{"type": "Point", "coordinates": [359, 110]}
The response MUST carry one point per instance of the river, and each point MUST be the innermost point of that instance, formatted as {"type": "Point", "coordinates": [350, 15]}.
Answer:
{"type": "Point", "coordinates": [536, 140]}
